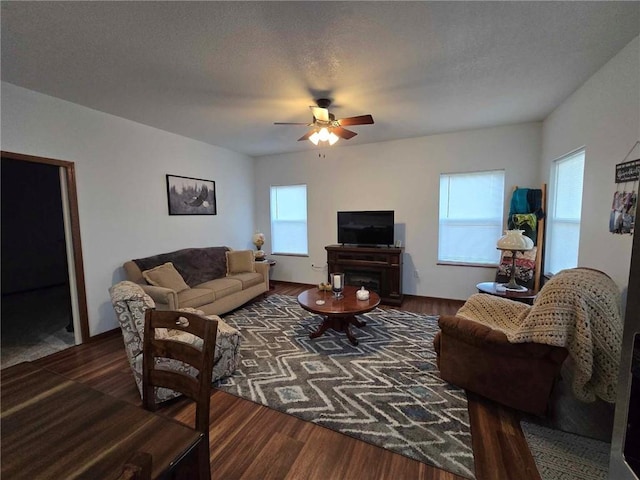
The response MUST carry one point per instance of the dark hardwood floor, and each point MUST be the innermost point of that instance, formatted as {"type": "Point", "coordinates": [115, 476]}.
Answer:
{"type": "Point", "coordinates": [249, 441]}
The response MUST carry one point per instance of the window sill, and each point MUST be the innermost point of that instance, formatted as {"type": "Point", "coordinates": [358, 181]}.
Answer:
{"type": "Point", "coordinates": [463, 264]}
{"type": "Point", "coordinates": [279, 254]}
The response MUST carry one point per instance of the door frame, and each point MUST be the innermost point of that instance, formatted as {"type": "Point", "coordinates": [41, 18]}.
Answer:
{"type": "Point", "coordinates": [74, 219]}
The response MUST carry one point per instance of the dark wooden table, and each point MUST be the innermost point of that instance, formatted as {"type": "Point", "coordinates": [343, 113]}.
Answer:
{"type": "Point", "coordinates": [339, 313]}
{"type": "Point", "coordinates": [54, 427]}
{"type": "Point", "coordinates": [525, 296]}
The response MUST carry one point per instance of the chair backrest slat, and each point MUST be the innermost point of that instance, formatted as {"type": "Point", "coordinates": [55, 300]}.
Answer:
{"type": "Point", "coordinates": [185, 384]}
{"type": "Point", "coordinates": [177, 351]}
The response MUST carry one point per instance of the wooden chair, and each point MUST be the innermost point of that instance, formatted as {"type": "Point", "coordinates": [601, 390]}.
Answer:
{"type": "Point", "coordinates": [138, 467]}
{"type": "Point", "coordinates": [194, 380]}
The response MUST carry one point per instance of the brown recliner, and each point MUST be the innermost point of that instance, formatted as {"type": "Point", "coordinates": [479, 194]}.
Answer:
{"type": "Point", "coordinates": [481, 359]}
{"type": "Point", "coordinates": [512, 353]}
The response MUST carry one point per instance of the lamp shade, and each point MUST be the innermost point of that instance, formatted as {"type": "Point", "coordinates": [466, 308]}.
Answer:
{"type": "Point", "coordinates": [323, 134]}
{"type": "Point", "coordinates": [314, 138]}
{"type": "Point", "coordinates": [258, 239]}
{"type": "Point", "coordinates": [514, 240]}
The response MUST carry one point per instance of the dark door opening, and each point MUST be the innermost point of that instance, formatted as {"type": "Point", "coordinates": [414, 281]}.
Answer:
{"type": "Point", "coordinates": [36, 298]}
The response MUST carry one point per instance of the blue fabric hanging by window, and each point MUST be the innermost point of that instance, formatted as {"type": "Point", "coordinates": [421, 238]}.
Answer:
{"type": "Point", "coordinates": [519, 201]}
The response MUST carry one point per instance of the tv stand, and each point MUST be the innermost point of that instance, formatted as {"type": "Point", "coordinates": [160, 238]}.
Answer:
{"type": "Point", "coordinates": [355, 245]}
{"type": "Point", "coordinates": [376, 268]}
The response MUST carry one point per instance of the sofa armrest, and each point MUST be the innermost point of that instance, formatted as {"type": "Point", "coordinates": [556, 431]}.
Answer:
{"type": "Point", "coordinates": [165, 298]}
{"type": "Point", "coordinates": [263, 268]}
{"type": "Point", "coordinates": [134, 274]}
{"type": "Point", "coordinates": [471, 332]}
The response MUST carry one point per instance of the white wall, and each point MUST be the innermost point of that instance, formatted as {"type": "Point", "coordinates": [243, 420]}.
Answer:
{"type": "Point", "coordinates": [121, 167]}
{"type": "Point", "coordinates": [603, 115]}
{"type": "Point", "coordinates": [403, 176]}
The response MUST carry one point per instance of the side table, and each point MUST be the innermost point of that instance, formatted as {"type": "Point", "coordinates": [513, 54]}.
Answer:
{"type": "Point", "coordinates": [271, 263]}
{"type": "Point", "coordinates": [525, 296]}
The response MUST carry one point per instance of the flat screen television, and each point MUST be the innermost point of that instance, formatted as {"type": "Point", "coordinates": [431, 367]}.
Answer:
{"type": "Point", "coordinates": [366, 227]}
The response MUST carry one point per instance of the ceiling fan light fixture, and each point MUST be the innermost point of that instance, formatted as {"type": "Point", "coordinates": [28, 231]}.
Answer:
{"type": "Point", "coordinates": [314, 138]}
{"type": "Point", "coordinates": [324, 123]}
{"type": "Point", "coordinates": [323, 134]}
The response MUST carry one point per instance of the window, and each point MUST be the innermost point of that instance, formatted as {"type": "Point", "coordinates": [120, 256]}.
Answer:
{"type": "Point", "coordinates": [289, 219]}
{"type": "Point", "coordinates": [565, 207]}
{"type": "Point", "coordinates": [471, 213]}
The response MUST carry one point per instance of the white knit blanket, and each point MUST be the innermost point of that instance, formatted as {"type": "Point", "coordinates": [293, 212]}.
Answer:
{"type": "Point", "coordinates": [578, 309]}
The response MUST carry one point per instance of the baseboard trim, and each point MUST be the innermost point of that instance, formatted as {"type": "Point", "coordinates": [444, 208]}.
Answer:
{"type": "Point", "coordinates": [406, 295]}
{"type": "Point", "coordinates": [103, 335]}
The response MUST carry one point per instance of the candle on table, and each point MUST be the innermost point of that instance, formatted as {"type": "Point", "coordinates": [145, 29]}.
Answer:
{"type": "Point", "coordinates": [336, 281]}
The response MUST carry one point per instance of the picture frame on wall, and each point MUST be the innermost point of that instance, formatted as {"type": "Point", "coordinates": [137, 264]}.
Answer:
{"type": "Point", "coordinates": [191, 196]}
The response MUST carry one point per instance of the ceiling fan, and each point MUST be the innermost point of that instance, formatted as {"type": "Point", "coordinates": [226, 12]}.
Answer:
{"type": "Point", "coordinates": [325, 126]}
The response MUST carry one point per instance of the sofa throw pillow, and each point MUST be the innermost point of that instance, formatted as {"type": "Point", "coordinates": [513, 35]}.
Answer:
{"type": "Point", "coordinates": [165, 276]}
{"type": "Point", "coordinates": [240, 261]}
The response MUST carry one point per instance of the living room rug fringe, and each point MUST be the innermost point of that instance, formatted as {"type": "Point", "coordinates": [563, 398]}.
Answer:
{"type": "Point", "coordinates": [385, 391]}
{"type": "Point", "coordinates": [565, 456]}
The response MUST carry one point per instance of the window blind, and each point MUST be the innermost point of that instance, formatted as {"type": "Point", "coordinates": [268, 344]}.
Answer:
{"type": "Point", "coordinates": [289, 219]}
{"type": "Point", "coordinates": [563, 220]}
{"type": "Point", "coordinates": [470, 217]}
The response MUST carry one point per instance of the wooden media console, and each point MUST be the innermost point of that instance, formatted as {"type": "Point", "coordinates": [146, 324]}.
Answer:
{"type": "Point", "coordinates": [376, 268]}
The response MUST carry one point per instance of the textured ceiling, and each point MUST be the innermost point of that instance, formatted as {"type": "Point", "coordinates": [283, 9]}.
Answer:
{"type": "Point", "coordinates": [223, 72]}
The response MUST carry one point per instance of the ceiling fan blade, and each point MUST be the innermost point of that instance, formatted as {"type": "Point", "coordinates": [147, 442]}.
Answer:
{"type": "Point", "coordinates": [320, 113]}
{"type": "Point", "coordinates": [307, 135]}
{"type": "Point", "coordinates": [288, 123]}
{"type": "Point", "coordinates": [359, 120]}
{"type": "Point", "coordinates": [343, 132]}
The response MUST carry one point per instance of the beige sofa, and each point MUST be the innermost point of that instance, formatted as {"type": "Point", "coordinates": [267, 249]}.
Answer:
{"type": "Point", "coordinates": [215, 280]}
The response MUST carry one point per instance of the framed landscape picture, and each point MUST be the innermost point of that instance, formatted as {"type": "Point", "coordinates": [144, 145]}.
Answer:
{"type": "Point", "coordinates": [191, 196]}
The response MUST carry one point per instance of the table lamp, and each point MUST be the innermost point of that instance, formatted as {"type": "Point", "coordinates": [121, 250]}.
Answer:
{"type": "Point", "coordinates": [258, 241]}
{"type": "Point", "coordinates": [514, 241]}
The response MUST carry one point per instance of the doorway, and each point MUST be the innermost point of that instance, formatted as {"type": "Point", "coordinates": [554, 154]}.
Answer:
{"type": "Point", "coordinates": [43, 294]}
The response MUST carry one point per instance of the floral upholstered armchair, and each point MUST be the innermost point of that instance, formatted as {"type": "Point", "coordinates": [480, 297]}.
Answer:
{"type": "Point", "coordinates": [130, 303]}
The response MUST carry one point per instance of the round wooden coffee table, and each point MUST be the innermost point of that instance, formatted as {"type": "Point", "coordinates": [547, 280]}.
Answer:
{"type": "Point", "coordinates": [339, 313]}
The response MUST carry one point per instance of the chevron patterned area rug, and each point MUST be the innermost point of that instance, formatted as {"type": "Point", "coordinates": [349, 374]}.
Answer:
{"type": "Point", "coordinates": [385, 391]}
